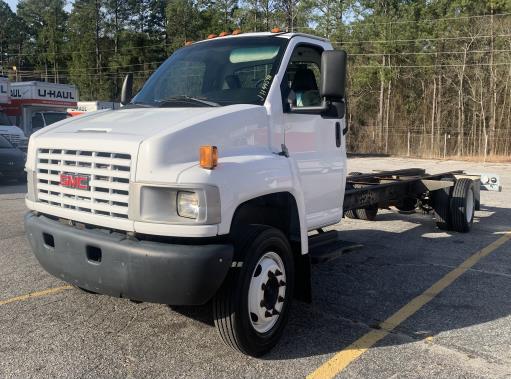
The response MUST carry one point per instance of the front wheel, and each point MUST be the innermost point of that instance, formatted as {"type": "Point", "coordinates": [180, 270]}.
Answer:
{"type": "Point", "coordinates": [252, 307]}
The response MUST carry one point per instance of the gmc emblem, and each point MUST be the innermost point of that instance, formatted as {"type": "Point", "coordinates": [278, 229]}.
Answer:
{"type": "Point", "coordinates": [80, 182]}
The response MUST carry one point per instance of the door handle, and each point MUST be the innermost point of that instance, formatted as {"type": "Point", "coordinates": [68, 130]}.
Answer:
{"type": "Point", "coordinates": [338, 134]}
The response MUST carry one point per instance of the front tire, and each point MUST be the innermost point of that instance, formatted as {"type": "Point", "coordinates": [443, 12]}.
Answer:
{"type": "Point", "coordinates": [252, 307]}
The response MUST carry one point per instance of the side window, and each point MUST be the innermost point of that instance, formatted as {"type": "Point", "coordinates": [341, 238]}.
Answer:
{"type": "Point", "coordinates": [186, 79]}
{"type": "Point", "coordinates": [303, 77]}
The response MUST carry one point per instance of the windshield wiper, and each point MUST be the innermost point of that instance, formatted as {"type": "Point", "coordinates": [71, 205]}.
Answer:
{"type": "Point", "coordinates": [138, 104]}
{"type": "Point", "coordinates": [186, 99]}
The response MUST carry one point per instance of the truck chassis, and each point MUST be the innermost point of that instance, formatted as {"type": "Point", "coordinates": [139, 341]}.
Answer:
{"type": "Point", "coordinates": [452, 197]}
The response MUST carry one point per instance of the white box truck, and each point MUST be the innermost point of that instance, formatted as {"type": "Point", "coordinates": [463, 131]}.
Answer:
{"type": "Point", "coordinates": [213, 184]}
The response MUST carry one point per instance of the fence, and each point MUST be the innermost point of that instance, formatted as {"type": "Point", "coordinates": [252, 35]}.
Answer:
{"type": "Point", "coordinates": [426, 145]}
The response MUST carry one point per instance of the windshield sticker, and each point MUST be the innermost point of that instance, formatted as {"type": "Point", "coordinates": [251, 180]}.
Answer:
{"type": "Point", "coordinates": [265, 87]}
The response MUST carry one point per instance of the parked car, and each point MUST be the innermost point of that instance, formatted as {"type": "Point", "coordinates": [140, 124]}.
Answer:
{"type": "Point", "coordinates": [12, 161]}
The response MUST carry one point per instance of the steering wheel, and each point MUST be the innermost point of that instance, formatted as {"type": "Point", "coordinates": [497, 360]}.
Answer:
{"type": "Point", "coordinates": [259, 83]}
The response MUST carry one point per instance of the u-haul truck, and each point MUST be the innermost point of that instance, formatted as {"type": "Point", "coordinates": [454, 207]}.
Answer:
{"type": "Point", "coordinates": [36, 105]}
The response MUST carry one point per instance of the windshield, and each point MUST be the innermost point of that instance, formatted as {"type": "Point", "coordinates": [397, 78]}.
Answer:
{"type": "Point", "coordinates": [4, 120]}
{"type": "Point", "coordinates": [4, 144]}
{"type": "Point", "coordinates": [215, 73]}
{"type": "Point", "coordinates": [51, 118]}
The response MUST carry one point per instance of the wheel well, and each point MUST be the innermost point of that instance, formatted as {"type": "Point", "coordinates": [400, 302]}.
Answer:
{"type": "Point", "coordinates": [278, 210]}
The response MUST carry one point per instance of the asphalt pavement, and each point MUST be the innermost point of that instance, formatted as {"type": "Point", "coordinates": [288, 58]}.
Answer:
{"type": "Point", "coordinates": [464, 331]}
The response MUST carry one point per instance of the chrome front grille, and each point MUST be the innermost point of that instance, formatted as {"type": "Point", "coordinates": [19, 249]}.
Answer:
{"type": "Point", "coordinates": [108, 173]}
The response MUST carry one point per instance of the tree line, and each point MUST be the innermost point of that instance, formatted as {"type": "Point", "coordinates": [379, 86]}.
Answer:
{"type": "Point", "coordinates": [426, 78]}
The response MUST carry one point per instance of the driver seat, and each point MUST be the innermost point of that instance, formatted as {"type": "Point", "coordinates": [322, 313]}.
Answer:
{"type": "Point", "coordinates": [305, 87]}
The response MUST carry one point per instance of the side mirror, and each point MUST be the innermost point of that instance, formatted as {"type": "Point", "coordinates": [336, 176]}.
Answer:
{"type": "Point", "coordinates": [127, 89]}
{"type": "Point", "coordinates": [333, 75]}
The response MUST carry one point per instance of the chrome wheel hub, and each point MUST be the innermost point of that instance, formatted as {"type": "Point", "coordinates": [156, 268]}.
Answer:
{"type": "Point", "coordinates": [267, 291]}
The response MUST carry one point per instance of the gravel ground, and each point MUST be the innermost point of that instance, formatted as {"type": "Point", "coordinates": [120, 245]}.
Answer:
{"type": "Point", "coordinates": [463, 332]}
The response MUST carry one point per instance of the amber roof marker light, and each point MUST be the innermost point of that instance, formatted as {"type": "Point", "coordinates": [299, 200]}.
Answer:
{"type": "Point", "coordinates": [224, 34]}
{"type": "Point", "coordinates": [208, 157]}
{"type": "Point", "coordinates": [236, 32]}
{"type": "Point", "coordinates": [276, 30]}
{"type": "Point", "coordinates": [212, 35]}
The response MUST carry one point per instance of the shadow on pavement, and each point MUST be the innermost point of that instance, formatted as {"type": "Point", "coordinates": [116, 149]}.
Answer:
{"type": "Point", "coordinates": [355, 293]}
{"type": "Point", "coordinates": [11, 187]}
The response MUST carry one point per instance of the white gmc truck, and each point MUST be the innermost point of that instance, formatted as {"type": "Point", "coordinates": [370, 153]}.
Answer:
{"type": "Point", "coordinates": [208, 185]}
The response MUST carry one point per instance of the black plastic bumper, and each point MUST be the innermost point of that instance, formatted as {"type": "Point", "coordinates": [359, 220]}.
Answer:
{"type": "Point", "coordinates": [110, 264]}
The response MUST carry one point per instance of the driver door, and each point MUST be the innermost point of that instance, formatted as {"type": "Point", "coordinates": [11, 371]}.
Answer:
{"type": "Point", "coordinates": [313, 140]}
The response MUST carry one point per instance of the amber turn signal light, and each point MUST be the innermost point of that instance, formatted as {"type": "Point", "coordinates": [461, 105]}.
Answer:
{"type": "Point", "coordinates": [208, 157]}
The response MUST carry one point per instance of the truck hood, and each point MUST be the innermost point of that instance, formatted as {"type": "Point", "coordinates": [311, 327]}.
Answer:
{"type": "Point", "coordinates": [140, 122]}
{"type": "Point", "coordinates": [158, 138]}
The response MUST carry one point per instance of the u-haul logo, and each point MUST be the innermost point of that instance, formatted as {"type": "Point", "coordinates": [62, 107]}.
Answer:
{"type": "Point", "coordinates": [80, 182]}
{"type": "Point", "coordinates": [55, 94]}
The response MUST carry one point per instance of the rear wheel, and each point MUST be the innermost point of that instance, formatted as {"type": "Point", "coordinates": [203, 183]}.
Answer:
{"type": "Point", "coordinates": [368, 213]}
{"type": "Point", "coordinates": [407, 205]}
{"type": "Point", "coordinates": [252, 307]}
{"type": "Point", "coordinates": [352, 213]}
{"type": "Point", "coordinates": [463, 204]}
{"type": "Point", "coordinates": [441, 200]}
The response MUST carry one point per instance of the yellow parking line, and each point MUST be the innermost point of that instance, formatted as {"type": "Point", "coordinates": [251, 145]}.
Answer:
{"type": "Point", "coordinates": [33, 295]}
{"type": "Point", "coordinates": [343, 358]}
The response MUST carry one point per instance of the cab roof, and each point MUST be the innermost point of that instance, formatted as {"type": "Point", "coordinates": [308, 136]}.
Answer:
{"type": "Point", "coordinates": [287, 35]}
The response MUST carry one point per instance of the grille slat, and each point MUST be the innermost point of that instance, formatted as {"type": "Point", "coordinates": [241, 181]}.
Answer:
{"type": "Point", "coordinates": [109, 175]}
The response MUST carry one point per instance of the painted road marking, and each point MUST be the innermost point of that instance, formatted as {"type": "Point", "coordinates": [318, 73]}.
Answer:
{"type": "Point", "coordinates": [342, 359]}
{"type": "Point", "coordinates": [33, 295]}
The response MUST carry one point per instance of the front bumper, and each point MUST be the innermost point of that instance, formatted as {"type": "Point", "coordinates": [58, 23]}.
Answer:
{"type": "Point", "coordinates": [111, 264]}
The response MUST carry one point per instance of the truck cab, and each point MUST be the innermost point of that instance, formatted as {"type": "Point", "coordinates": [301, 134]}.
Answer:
{"type": "Point", "coordinates": [43, 119]}
{"type": "Point", "coordinates": [204, 187]}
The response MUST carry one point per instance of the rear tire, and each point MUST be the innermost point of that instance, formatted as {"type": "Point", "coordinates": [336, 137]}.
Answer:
{"type": "Point", "coordinates": [407, 205]}
{"type": "Point", "coordinates": [463, 205]}
{"type": "Point", "coordinates": [368, 213]}
{"type": "Point", "coordinates": [442, 207]}
{"type": "Point", "coordinates": [352, 213]}
{"type": "Point", "coordinates": [252, 307]}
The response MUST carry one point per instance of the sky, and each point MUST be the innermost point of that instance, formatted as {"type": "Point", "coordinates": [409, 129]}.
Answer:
{"type": "Point", "coordinates": [13, 3]}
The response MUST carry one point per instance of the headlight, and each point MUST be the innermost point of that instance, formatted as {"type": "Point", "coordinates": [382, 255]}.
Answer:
{"type": "Point", "coordinates": [188, 204]}
{"type": "Point", "coordinates": [175, 204]}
